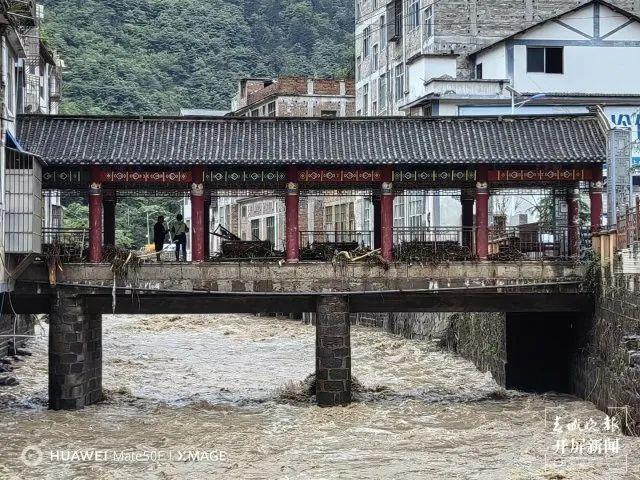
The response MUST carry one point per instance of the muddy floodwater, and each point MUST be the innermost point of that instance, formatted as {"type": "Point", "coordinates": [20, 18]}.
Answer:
{"type": "Point", "coordinates": [200, 397]}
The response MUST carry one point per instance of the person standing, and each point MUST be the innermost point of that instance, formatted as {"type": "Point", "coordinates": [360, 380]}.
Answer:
{"type": "Point", "coordinates": [159, 234]}
{"type": "Point", "coordinates": [179, 231]}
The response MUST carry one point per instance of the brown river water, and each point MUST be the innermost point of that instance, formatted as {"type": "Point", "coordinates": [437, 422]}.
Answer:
{"type": "Point", "coordinates": [198, 397]}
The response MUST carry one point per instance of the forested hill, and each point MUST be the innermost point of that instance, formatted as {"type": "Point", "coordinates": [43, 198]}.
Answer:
{"type": "Point", "coordinates": [157, 56]}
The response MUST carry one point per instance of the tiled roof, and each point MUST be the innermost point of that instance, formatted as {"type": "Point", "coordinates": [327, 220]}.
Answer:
{"type": "Point", "coordinates": [62, 140]}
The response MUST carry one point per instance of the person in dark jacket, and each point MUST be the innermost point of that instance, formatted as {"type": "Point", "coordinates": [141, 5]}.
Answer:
{"type": "Point", "coordinates": [159, 234]}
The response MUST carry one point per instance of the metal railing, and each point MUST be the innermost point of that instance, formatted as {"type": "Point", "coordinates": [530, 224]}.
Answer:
{"type": "Point", "coordinates": [434, 244]}
{"type": "Point", "coordinates": [531, 242]}
{"type": "Point", "coordinates": [628, 227]}
{"type": "Point", "coordinates": [70, 244]}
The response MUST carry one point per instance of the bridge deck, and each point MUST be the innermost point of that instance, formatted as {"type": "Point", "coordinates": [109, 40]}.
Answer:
{"type": "Point", "coordinates": [251, 288]}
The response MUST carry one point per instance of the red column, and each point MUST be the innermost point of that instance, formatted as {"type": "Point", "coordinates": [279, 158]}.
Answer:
{"type": "Point", "coordinates": [95, 222]}
{"type": "Point", "coordinates": [467, 199]}
{"type": "Point", "coordinates": [595, 193]}
{"type": "Point", "coordinates": [386, 214]}
{"type": "Point", "coordinates": [197, 214]}
{"type": "Point", "coordinates": [482, 214]}
{"type": "Point", "coordinates": [292, 208]}
{"type": "Point", "coordinates": [573, 221]}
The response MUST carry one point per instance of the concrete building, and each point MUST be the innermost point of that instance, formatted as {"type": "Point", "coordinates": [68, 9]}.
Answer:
{"type": "Point", "coordinates": [30, 75]}
{"type": "Point", "coordinates": [431, 58]}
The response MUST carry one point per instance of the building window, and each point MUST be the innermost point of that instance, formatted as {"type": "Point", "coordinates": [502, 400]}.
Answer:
{"type": "Point", "coordinates": [376, 60]}
{"type": "Point", "coordinates": [358, 9]}
{"type": "Point", "coordinates": [428, 22]}
{"type": "Point", "coordinates": [545, 60]}
{"type": "Point", "coordinates": [416, 211]}
{"type": "Point", "coordinates": [414, 13]}
{"type": "Point", "coordinates": [394, 20]}
{"type": "Point", "coordinates": [271, 230]}
{"type": "Point", "coordinates": [479, 71]}
{"type": "Point", "coordinates": [398, 211]}
{"type": "Point", "coordinates": [366, 42]}
{"type": "Point", "coordinates": [399, 18]}
{"type": "Point", "coordinates": [328, 219]}
{"type": "Point", "coordinates": [427, 110]}
{"type": "Point", "coordinates": [383, 31]}
{"type": "Point", "coordinates": [365, 99]}
{"type": "Point", "coordinates": [255, 229]}
{"type": "Point", "coordinates": [358, 68]}
{"type": "Point", "coordinates": [255, 113]}
{"type": "Point", "coordinates": [399, 81]}
{"type": "Point", "coordinates": [244, 211]}
{"type": "Point", "coordinates": [329, 113]}
{"type": "Point", "coordinates": [382, 92]}
{"type": "Point", "coordinates": [271, 109]}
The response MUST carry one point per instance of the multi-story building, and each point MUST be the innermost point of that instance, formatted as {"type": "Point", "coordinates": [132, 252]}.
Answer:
{"type": "Point", "coordinates": [262, 217]}
{"type": "Point", "coordinates": [466, 57]}
{"type": "Point", "coordinates": [30, 75]}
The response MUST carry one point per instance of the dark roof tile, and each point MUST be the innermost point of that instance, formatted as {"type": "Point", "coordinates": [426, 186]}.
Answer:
{"type": "Point", "coordinates": [176, 141]}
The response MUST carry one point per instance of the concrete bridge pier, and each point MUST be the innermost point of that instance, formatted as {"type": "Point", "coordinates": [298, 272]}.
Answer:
{"type": "Point", "coordinates": [75, 353]}
{"type": "Point", "coordinates": [333, 351]}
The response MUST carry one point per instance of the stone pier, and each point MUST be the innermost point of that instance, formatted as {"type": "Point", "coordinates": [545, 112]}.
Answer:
{"type": "Point", "coordinates": [75, 354]}
{"type": "Point", "coordinates": [333, 351]}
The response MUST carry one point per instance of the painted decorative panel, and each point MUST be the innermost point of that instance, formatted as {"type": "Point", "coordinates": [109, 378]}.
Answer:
{"type": "Point", "coordinates": [124, 176]}
{"type": "Point", "coordinates": [434, 176]}
{"type": "Point", "coordinates": [339, 176]}
{"type": "Point", "coordinates": [244, 176]}
{"type": "Point", "coordinates": [64, 178]}
{"type": "Point", "coordinates": [541, 175]}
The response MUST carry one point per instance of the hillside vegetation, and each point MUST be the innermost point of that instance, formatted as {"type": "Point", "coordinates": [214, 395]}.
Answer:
{"type": "Point", "coordinates": [157, 56]}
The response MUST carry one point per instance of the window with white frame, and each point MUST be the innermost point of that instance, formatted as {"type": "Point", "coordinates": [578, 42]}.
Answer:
{"type": "Point", "coordinates": [271, 109]}
{"type": "Point", "coordinates": [398, 211]}
{"type": "Point", "coordinates": [429, 23]}
{"type": "Point", "coordinates": [414, 13]}
{"type": "Point", "coordinates": [416, 211]}
{"type": "Point", "coordinates": [382, 26]}
{"type": "Point", "coordinates": [399, 81]}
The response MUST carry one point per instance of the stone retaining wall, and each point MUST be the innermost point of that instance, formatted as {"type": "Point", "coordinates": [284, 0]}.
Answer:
{"type": "Point", "coordinates": [606, 367]}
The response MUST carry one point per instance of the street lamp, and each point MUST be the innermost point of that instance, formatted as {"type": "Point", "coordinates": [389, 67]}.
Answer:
{"type": "Point", "coordinates": [515, 93]}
